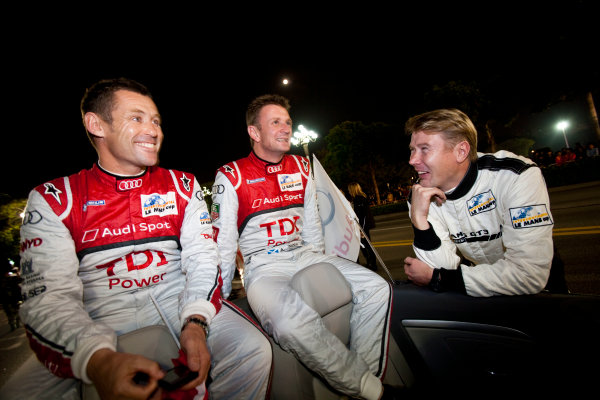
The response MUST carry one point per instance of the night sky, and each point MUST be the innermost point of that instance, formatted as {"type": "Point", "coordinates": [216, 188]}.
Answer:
{"type": "Point", "coordinates": [352, 65]}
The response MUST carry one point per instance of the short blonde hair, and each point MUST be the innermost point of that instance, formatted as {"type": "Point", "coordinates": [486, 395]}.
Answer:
{"type": "Point", "coordinates": [454, 124]}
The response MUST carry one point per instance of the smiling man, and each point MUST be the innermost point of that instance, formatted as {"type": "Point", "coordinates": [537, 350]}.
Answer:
{"type": "Point", "coordinates": [266, 204]}
{"type": "Point", "coordinates": [493, 209]}
{"type": "Point", "coordinates": [121, 246]}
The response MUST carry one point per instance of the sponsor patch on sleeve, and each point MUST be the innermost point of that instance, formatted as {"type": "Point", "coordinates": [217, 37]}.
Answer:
{"type": "Point", "coordinates": [214, 211]}
{"type": "Point", "coordinates": [530, 216]}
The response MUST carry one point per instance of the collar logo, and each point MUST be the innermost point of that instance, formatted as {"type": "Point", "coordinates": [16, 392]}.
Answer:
{"type": "Point", "coordinates": [271, 169]}
{"type": "Point", "coordinates": [130, 184]}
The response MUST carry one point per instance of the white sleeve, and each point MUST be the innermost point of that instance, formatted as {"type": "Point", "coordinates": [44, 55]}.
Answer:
{"type": "Point", "coordinates": [60, 330]}
{"type": "Point", "coordinates": [224, 212]}
{"type": "Point", "coordinates": [199, 260]}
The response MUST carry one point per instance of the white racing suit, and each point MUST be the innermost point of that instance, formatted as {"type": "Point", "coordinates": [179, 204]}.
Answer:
{"type": "Point", "coordinates": [499, 219]}
{"type": "Point", "coordinates": [97, 250]}
{"type": "Point", "coordinates": [272, 210]}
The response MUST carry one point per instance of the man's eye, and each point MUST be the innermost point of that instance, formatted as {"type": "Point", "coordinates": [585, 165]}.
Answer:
{"type": "Point", "coordinates": [156, 122]}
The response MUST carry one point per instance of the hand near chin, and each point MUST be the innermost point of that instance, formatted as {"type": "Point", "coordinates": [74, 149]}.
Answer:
{"type": "Point", "coordinates": [421, 199]}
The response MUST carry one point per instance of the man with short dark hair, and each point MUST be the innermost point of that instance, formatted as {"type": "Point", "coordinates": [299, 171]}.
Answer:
{"type": "Point", "coordinates": [122, 246]}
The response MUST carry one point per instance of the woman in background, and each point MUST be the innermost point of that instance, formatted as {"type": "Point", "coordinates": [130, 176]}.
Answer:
{"type": "Point", "coordinates": [362, 209]}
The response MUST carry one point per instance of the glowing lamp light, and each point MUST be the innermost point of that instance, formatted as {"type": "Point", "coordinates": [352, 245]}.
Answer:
{"type": "Point", "coordinates": [562, 125]}
{"type": "Point", "coordinates": [304, 136]}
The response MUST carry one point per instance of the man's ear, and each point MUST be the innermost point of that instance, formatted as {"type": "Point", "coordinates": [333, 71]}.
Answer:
{"type": "Point", "coordinates": [93, 124]}
{"type": "Point", "coordinates": [462, 151]}
{"type": "Point", "coordinates": [253, 132]}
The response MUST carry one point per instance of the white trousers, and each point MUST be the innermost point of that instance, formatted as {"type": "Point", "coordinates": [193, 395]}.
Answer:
{"type": "Point", "coordinates": [241, 362]}
{"type": "Point", "coordinates": [298, 329]}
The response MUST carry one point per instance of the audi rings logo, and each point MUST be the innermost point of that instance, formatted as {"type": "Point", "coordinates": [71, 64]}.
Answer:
{"type": "Point", "coordinates": [271, 169]}
{"type": "Point", "coordinates": [32, 217]}
{"type": "Point", "coordinates": [130, 184]}
{"type": "Point", "coordinates": [218, 189]}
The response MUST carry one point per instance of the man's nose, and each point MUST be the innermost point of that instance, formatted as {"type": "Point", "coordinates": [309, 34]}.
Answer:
{"type": "Point", "coordinates": [152, 129]}
{"type": "Point", "coordinates": [414, 159]}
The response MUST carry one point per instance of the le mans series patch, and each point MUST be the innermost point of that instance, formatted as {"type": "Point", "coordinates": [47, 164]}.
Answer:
{"type": "Point", "coordinates": [159, 204]}
{"type": "Point", "coordinates": [290, 181]}
{"type": "Point", "coordinates": [481, 202]}
{"type": "Point", "coordinates": [530, 216]}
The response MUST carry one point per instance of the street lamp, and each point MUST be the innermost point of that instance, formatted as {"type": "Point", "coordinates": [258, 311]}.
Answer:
{"type": "Point", "coordinates": [562, 125]}
{"type": "Point", "coordinates": [303, 136]}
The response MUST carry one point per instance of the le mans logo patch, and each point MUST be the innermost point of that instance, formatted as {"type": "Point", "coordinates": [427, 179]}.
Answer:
{"type": "Point", "coordinates": [290, 181]}
{"type": "Point", "coordinates": [159, 204]}
{"type": "Point", "coordinates": [530, 216]}
{"type": "Point", "coordinates": [481, 202]}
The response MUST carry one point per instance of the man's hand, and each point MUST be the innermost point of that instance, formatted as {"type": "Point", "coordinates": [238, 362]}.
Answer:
{"type": "Point", "coordinates": [420, 201]}
{"type": "Point", "coordinates": [193, 343]}
{"type": "Point", "coordinates": [112, 373]}
{"type": "Point", "coordinates": [417, 271]}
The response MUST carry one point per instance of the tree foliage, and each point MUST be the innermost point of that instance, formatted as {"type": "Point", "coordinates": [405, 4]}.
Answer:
{"type": "Point", "coordinates": [10, 225]}
{"type": "Point", "coordinates": [372, 154]}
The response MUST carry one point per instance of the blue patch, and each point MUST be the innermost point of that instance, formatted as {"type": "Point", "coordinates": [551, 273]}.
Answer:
{"type": "Point", "coordinates": [93, 203]}
{"type": "Point", "coordinates": [481, 202]}
{"type": "Point", "coordinates": [530, 216]}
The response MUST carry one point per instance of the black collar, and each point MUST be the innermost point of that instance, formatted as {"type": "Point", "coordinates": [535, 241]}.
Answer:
{"type": "Point", "coordinates": [466, 184]}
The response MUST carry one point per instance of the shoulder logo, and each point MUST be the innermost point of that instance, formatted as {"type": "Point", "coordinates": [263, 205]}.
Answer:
{"type": "Point", "coordinates": [53, 190]}
{"type": "Point", "coordinates": [304, 164]}
{"type": "Point", "coordinates": [186, 182]}
{"type": "Point", "coordinates": [228, 169]}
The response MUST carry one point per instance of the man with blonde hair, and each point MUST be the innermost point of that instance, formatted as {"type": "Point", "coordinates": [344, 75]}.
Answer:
{"type": "Point", "coordinates": [493, 209]}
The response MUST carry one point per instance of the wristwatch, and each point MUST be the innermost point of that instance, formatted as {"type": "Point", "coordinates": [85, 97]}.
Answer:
{"type": "Point", "coordinates": [197, 321]}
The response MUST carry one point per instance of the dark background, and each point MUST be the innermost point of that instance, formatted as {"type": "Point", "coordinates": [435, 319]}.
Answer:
{"type": "Point", "coordinates": [370, 63]}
